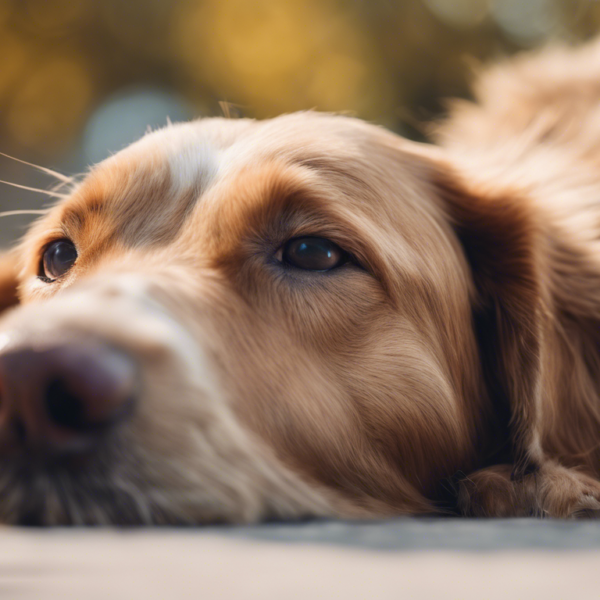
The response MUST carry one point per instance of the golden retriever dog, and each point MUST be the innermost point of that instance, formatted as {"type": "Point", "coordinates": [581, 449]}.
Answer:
{"type": "Point", "coordinates": [309, 316]}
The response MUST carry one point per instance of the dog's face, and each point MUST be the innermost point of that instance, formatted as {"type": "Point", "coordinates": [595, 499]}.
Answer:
{"type": "Point", "coordinates": [278, 317]}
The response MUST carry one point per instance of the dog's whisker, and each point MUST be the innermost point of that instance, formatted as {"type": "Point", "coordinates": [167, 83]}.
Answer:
{"type": "Point", "coordinates": [10, 213]}
{"type": "Point", "coordinates": [32, 189]}
{"type": "Point", "coordinates": [61, 184]}
{"type": "Point", "coordinates": [51, 172]}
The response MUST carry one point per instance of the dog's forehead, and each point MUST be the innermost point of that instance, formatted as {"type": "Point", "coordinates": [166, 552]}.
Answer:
{"type": "Point", "coordinates": [157, 181]}
{"type": "Point", "coordinates": [195, 153]}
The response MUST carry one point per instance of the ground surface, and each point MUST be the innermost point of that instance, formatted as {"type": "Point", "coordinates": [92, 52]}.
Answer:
{"type": "Point", "coordinates": [403, 558]}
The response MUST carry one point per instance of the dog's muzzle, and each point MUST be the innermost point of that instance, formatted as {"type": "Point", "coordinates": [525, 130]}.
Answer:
{"type": "Point", "coordinates": [71, 368]}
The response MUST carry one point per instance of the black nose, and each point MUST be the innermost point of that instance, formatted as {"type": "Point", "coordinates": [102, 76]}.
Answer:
{"type": "Point", "coordinates": [61, 399]}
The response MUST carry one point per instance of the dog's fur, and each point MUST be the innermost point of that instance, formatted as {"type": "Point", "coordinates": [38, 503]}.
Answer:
{"type": "Point", "coordinates": [455, 367]}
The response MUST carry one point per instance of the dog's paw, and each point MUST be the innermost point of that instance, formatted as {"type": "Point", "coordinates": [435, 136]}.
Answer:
{"type": "Point", "coordinates": [551, 491]}
{"type": "Point", "coordinates": [563, 492]}
{"type": "Point", "coordinates": [587, 508]}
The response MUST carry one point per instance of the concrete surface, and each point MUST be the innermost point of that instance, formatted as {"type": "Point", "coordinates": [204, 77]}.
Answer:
{"type": "Point", "coordinates": [404, 558]}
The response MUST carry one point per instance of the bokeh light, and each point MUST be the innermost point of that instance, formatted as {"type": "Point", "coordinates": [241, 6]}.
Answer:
{"type": "Point", "coordinates": [126, 116]}
{"type": "Point", "coordinates": [278, 57]}
{"type": "Point", "coordinates": [48, 108]}
{"type": "Point", "coordinates": [460, 13]}
{"type": "Point", "coordinates": [527, 22]}
{"type": "Point", "coordinates": [80, 78]}
{"type": "Point", "coordinates": [56, 17]}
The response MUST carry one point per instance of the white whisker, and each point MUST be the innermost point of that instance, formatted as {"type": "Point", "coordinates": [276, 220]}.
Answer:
{"type": "Point", "coordinates": [10, 213]}
{"type": "Point", "coordinates": [31, 189]}
{"type": "Point", "coordinates": [63, 178]}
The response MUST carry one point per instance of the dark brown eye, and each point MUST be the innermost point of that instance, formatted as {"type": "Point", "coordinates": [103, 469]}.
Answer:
{"type": "Point", "coordinates": [313, 254]}
{"type": "Point", "coordinates": [58, 258]}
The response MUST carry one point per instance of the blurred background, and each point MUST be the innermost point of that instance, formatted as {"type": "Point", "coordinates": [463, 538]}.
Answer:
{"type": "Point", "coordinates": [80, 79]}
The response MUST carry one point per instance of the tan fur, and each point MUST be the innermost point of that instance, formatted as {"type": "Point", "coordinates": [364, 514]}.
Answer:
{"type": "Point", "coordinates": [8, 281]}
{"type": "Point", "coordinates": [456, 369]}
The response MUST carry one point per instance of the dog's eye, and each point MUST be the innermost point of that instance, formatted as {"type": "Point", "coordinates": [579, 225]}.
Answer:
{"type": "Point", "coordinates": [312, 254]}
{"type": "Point", "coordinates": [58, 258]}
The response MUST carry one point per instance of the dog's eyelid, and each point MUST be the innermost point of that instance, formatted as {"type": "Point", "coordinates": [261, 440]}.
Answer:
{"type": "Point", "coordinates": [318, 230]}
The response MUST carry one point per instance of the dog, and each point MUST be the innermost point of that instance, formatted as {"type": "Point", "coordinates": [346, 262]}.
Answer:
{"type": "Point", "coordinates": [309, 316]}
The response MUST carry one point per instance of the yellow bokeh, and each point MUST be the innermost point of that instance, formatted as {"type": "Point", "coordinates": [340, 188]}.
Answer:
{"type": "Point", "coordinates": [50, 105]}
{"type": "Point", "coordinates": [389, 61]}
{"type": "Point", "coordinates": [5, 11]}
{"type": "Point", "coordinates": [16, 55]}
{"type": "Point", "coordinates": [281, 56]}
{"type": "Point", "coordinates": [57, 14]}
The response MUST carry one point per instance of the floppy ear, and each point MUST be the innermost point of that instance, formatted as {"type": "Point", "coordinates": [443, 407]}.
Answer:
{"type": "Point", "coordinates": [8, 280]}
{"type": "Point", "coordinates": [505, 243]}
{"type": "Point", "coordinates": [500, 238]}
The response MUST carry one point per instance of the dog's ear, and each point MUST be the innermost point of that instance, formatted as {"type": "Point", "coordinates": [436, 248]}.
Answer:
{"type": "Point", "coordinates": [8, 280]}
{"type": "Point", "coordinates": [501, 240]}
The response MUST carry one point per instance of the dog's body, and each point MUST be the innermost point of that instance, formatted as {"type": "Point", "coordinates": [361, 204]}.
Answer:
{"type": "Point", "coordinates": [447, 359]}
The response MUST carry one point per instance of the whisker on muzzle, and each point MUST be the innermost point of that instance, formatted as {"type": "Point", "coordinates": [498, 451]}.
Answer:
{"type": "Point", "coordinates": [51, 172]}
{"type": "Point", "coordinates": [11, 213]}
{"type": "Point", "coordinates": [32, 189]}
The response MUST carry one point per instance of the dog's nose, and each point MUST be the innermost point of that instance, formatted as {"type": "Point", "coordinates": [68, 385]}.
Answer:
{"type": "Point", "coordinates": [59, 400]}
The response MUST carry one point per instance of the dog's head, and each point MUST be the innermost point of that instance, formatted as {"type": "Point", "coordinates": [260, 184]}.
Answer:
{"type": "Point", "coordinates": [234, 320]}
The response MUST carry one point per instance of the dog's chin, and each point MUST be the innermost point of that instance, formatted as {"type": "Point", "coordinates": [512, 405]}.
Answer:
{"type": "Point", "coordinates": [84, 492]}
